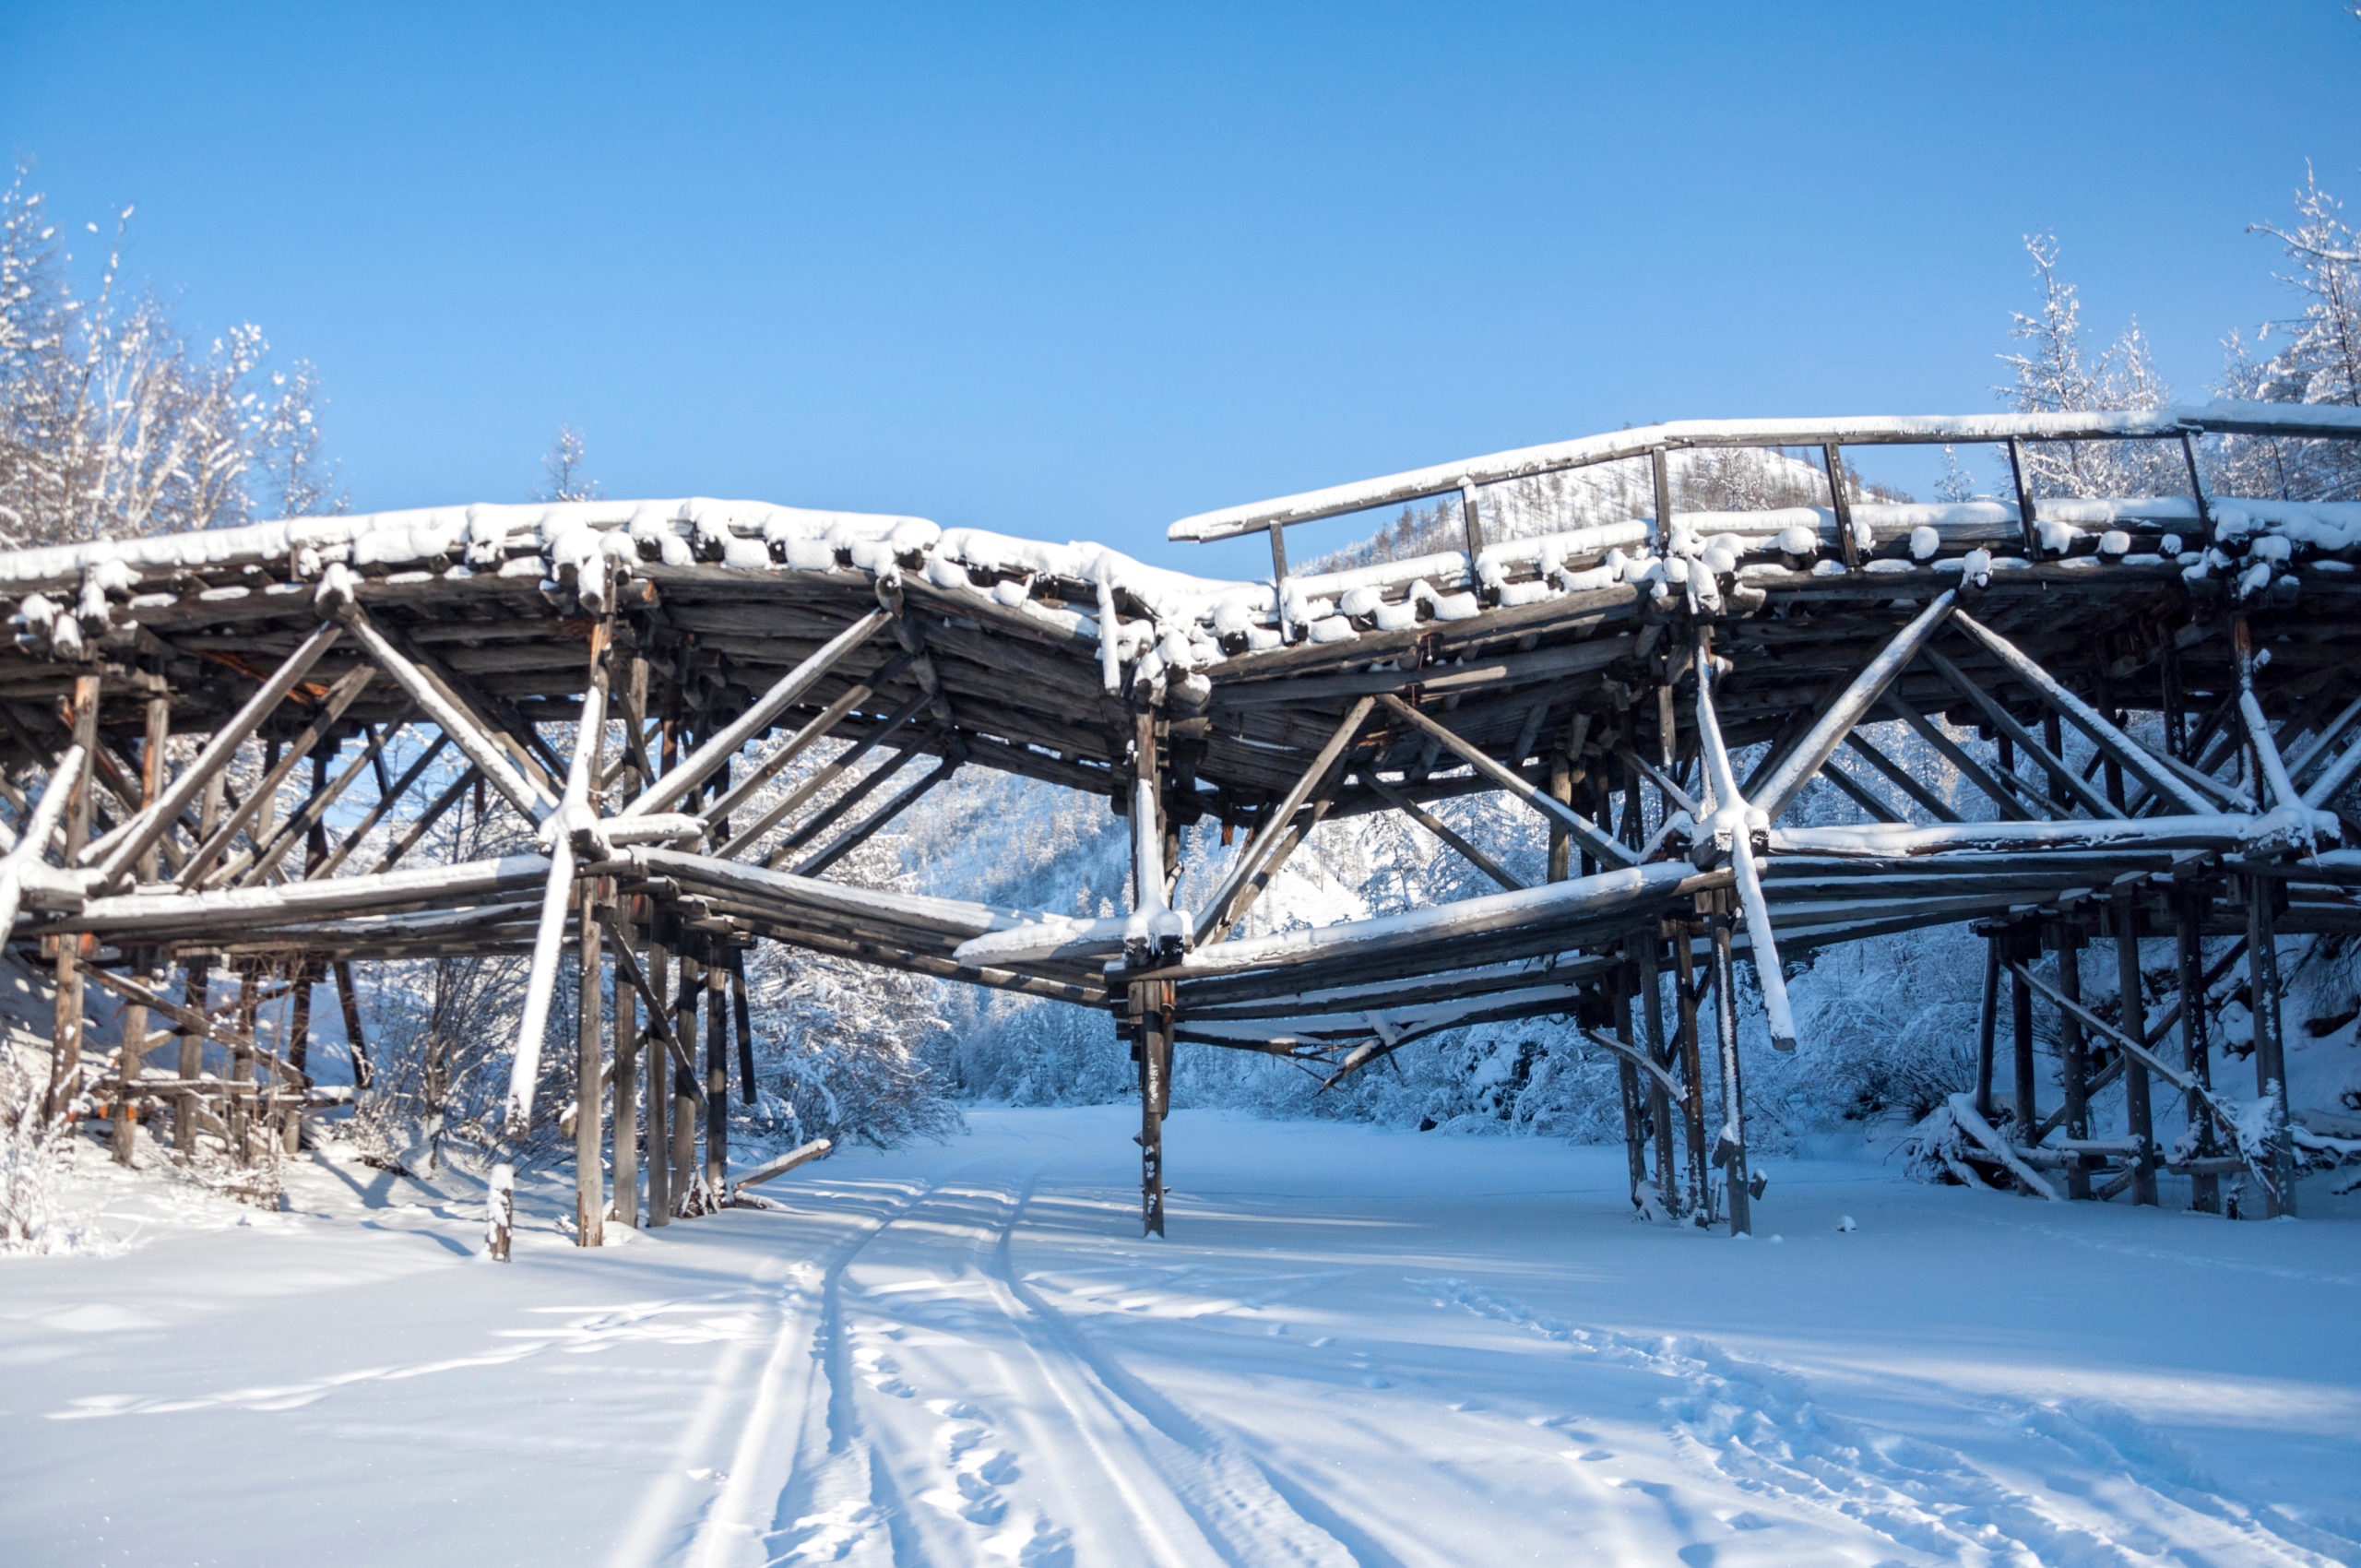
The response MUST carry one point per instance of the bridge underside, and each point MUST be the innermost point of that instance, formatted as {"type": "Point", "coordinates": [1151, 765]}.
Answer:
{"type": "Point", "coordinates": [2068, 720]}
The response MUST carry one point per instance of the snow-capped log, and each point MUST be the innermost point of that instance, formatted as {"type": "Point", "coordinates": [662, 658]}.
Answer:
{"type": "Point", "coordinates": [804, 1154]}
{"type": "Point", "coordinates": [158, 915]}
{"type": "Point", "coordinates": [2290, 830]}
{"type": "Point", "coordinates": [1625, 894]}
{"type": "Point", "coordinates": [1525, 462]}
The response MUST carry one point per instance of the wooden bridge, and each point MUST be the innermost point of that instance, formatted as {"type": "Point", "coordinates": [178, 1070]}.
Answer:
{"type": "Point", "coordinates": [2140, 712]}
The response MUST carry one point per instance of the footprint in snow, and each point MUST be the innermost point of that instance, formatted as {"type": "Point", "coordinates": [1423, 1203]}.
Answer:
{"type": "Point", "coordinates": [1045, 1546]}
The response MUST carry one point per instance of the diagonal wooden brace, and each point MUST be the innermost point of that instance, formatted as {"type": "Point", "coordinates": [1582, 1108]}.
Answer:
{"type": "Point", "coordinates": [152, 822]}
{"type": "Point", "coordinates": [725, 741]}
{"type": "Point", "coordinates": [479, 747]}
{"type": "Point", "coordinates": [1580, 827]}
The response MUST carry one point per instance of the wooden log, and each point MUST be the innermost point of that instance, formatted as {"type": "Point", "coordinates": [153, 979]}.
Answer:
{"type": "Point", "coordinates": [1151, 1010]}
{"type": "Point", "coordinates": [204, 773]}
{"type": "Point", "coordinates": [540, 980]}
{"type": "Point", "coordinates": [1251, 871]}
{"type": "Point", "coordinates": [2139, 1116]}
{"type": "Point", "coordinates": [469, 730]}
{"type": "Point", "coordinates": [1608, 851]}
{"type": "Point", "coordinates": [623, 1094]}
{"type": "Point", "coordinates": [1851, 705]}
{"type": "Point", "coordinates": [1987, 1019]}
{"type": "Point", "coordinates": [156, 737]}
{"type": "Point", "coordinates": [725, 744]}
{"type": "Point", "coordinates": [1452, 837]}
{"type": "Point", "coordinates": [254, 813]}
{"type": "Point", "coordinates": [66, 1028]}
{"type": "Point", "coordinates": [716, 1075]}
{"type": "Point", "coordinates": [1619, 983]}
{"type": "Point", "coordinates": [770, 1170]}
{"type": "Point", "coordinates": [589, 1072]}
{"type": "Point", "coordinates": [687, 1091]}
{"type": "Point", "coordinates": [659, 1091]}
{"type": "Point", "coordinates": [823, 777]}
{"type": "Point", "coordinates": [1730, 1147]}
{"type": "Point", "coordinates": [2270, 1055]}
{"type": "Point", "coordinates": [2025, 1115]}
{"type": "Point", "coordinates": [2204, 1187]}
{"type": "Point", "coordinates": [2073, 1058]}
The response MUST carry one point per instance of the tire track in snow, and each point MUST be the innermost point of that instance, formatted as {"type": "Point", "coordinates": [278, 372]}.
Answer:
{"type": "Point", "coordinates": [1758, 1425]}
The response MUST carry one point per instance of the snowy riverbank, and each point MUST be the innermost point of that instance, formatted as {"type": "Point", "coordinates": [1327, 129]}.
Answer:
{"type": "Point", "coordinates": [1359, 1345]}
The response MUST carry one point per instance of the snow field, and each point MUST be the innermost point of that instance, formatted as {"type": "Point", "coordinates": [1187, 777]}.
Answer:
{"type": "Point", "coordinates": [1358, 1346]}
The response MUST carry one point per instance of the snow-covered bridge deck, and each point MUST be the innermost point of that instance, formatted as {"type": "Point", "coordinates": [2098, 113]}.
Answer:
{"type": "Point", "coordinates": [2131, 715]}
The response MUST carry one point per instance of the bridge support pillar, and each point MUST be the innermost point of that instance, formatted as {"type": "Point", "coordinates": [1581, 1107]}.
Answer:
{"type": "Point", "coordinates": [1730, 1147]}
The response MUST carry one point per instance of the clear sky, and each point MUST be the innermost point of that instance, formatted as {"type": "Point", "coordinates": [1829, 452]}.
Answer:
{"type": "Point", "coordinates": [1073, 272]}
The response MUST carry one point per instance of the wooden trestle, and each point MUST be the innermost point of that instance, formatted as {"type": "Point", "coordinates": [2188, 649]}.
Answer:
{"type": "Point", "coordinates": [1661, 696]}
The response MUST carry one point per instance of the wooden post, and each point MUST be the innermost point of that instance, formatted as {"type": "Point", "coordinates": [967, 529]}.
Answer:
{"type": "Point", "coordinates": [1988, 1025]}
{"type": "Point", "coordinates": [1660, 1052]}
{"type": "Point", "coordinates": [684, 1099]}
{"type": "Point", "coordinates": [743, 1021]}
{"type": "Point", "coordinates": [1848, 547]}
{"type": "Point", "coordinates": [196, 994]}
{"type": "Point", "coordinates": [2139, 1116]}
{"type": "Point", "coordinates": [1472, 521]}
{"type": "Point", "coordinates": [589, 1179]}
{"type": "Point", "coordinates": [299, 1042]}
{"type": "Point", "coordinates": [66, 1030]}
{"type": "Point", "coordinates": [2073, 1058]}
{"type": "Point", "coordinates": [1151, 1008]}
{"type": "Point", "coordinates": [1278, 533]}
{"type": "Point", "coordinates": [1729, 1149]}
{"type": "Point", "coordinates": [2053, 737]}
{"type": "Point", "coordinates": [2270, 1053]}
{"type": "Point", "coordinates": [2028, 528]}
{"type": "Point", "coordinates": [1562, 840]}
{"type": "Point", "coordinates": [131, 1056]}
{"type": "Point", "coordinates": [356, 1042]}
{"type": "Point", "coordinates": [716, 1077]}
{"type": "Point", "coordinates": [1692, 1069]}
{"type": "Point", "coordinates": [1626, 1080]}
{"type": "Point", "coordinates": [242, 1063]}
{"type": "Point", "coordinates": [134, 1055]}
{"type": "Point", "coordinates": [2188, 905]}
{"type": "Point", "coordinates": [1150, 1003]}
{"type": "Point", "coordinates": [625, 1100]}
{"type": "Point", "coordinates": [659, 1093]}
{"type": "Point", "coordinates": [2024, 1111]}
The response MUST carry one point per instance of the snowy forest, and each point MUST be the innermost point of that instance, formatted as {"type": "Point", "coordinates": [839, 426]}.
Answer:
{"type": "Point", "coordinates": [115, 424]}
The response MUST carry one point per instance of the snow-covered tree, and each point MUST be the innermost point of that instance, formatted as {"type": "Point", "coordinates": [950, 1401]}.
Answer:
{"type": "Point", "coordinates": [2321, 361]}
{"type": "Point", "coordinates": [562, 475]}
{"type": "Point", "coordinates": [2053, 376]}
{"type": "Point", "coordinates": [112, 426]}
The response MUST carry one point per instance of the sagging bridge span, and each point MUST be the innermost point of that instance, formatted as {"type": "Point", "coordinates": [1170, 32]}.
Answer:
{"type": "Point", "coordinates": [2139, 717]}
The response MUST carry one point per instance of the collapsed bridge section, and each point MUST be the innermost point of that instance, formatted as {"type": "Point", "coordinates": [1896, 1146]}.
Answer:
{"type": "Point", "coordinates": [2133, 718]}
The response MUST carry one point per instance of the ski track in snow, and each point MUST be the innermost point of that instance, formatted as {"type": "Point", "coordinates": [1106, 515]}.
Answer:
{"type": "Point", "coordinates": [964, 1355]}
{"type": "Point", "coordinates": [1758, 1424]}
{"type": "Point", "coordinates": [909, 1350]}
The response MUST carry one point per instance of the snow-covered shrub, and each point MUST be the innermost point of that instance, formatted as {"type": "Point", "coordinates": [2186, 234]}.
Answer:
{"type": "Point", "coordinates": [35, 1154]}
{"type": "Point", "coordinates": [837, 1054]}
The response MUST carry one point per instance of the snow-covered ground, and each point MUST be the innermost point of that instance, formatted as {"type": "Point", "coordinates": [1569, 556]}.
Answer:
{"type": "Point", "coordinates": [1358, 1345]}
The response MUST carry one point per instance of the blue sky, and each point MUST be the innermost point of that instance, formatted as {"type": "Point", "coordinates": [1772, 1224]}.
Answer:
{"type": "Point", "coordinates": [1073, 272]}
